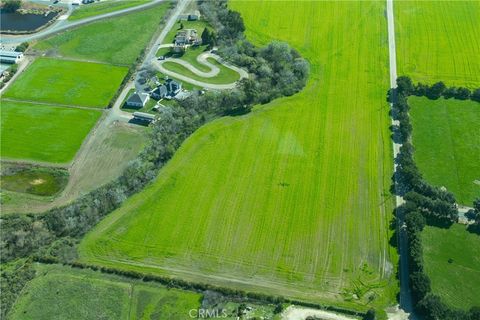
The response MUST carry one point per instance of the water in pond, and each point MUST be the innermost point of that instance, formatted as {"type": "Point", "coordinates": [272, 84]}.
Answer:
{"type": "Point", "coordinates": [14, 21]}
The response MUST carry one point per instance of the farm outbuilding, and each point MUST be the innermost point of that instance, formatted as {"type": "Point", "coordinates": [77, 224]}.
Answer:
{"type": "Point", "coordinates": [144, 117]}
{"type": "Point", "coordinates": [10, 56]}
{"type": "Point", "coordinates": [137, 100]}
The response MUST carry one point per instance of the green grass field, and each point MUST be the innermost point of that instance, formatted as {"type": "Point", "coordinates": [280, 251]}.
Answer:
{"type": "Point", "coordinates": [68, 82]}
{"type": "Point", "coordinates": [118, 40]}
{"type": "Point", "coordinates": [458, 282]}
{"type": "Point", "coordinates": [292, 198]}
{"type": "Point", "coordinates": [446, 136]}
{"type": "Point", "coordinates": [42, 132]}
{"type": "Point", "coordinates": [225, 76]}
{"type": "Point", "coordinates": [189, 55]}
{"type": "Point", "coordinates": [438, 41]}
{"type": "Point", "coordinates": [64, 293]}
{"type": "Point", "coordinates": [33, 180]}
{"type": "Point", "coordinates": [98, 8]}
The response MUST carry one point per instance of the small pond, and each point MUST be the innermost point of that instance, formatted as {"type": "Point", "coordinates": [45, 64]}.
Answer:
{"type": "Point", "coordinates": [16, 22]}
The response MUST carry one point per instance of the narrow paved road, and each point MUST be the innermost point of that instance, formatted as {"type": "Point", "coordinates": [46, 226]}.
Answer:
{"type": "Point", "coordinates": [151, 55]}
{"type": "Point", "coordinates": [405, 295]}
{"type": "Point", "coordinates": [61, 25]}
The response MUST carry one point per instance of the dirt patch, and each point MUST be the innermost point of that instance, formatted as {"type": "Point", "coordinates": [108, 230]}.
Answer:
{"type": "Point", "coordinates": [36, 182]}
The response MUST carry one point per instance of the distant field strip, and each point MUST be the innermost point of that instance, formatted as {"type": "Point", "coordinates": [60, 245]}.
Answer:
{"type": "Point", "coordinates": [446, 136]}
{"type": "Point", "coordinates": [439, 41]}
{"type": "Point", "coordinates": [293, 196]}
{"type": "Point", "coordinates": [43, 133]}
{"type": "Point", "coordinates": [67, 82]}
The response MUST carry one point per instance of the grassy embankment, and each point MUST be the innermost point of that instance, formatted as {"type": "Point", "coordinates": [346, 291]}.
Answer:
{"type": "Point", "coordinates": [293, 198]}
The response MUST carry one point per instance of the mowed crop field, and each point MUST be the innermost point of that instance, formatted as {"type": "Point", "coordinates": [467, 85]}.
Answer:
{"type": "Point", "coordinates": [64, 293]}
{"type": "Point", "coordinates": [456, 282]}
{"type": "Point", "coordinates": [68, 82]}
{"type": "Point", "coordinates": [292, 198]}
{"type": "Point", "coordinates": [446, 136]}
{"type": "Point", "coordinates": [118, 40]}
{"type": "Point", "coordinates": [439, 41]}
{"type": "Point", "coordinates": [42, 132]}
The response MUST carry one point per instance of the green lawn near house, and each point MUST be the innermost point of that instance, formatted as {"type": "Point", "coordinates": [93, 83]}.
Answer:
{"type": "Point", "coordinates": [67, 82]}
{"type": "Point", "coordinates": [190, 55]}
{"type": "Point", "coordinates": [446, 137]}
{"type": "Point", "coordinates": [438, 41]}
{"type": "Point", "coordinates": [453, 265]}
{"type": "Point", "coordinates": [64, 293]}
{"type": "Point", "coordinates": [292, 199]}
{"type": "Point", "coordinates": [118, 40]}
{"type": "Point", "coordinates": [198, 25]}
{"type": "Point", "coordinates": [43, 133]}
{"type": "Point", "coordinates": [107, 6]}
{"type": "Point", "coordinates": [225, 76]}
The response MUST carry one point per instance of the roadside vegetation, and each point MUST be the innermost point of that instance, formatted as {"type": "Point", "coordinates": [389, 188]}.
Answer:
{"type": "Point", "coordinates": [68, 83]}
{"type": "Point", "coordinates": [118, 40]}
{"type": "Point", "coordinates": [95, 9]}
{"type": "Point", "coordinates": [446, 137]}
{"type": "Point", "coordinates": [42, 132]}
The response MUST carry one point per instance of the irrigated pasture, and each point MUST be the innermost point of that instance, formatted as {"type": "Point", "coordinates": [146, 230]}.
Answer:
{"type": "Point", "coordinates": [439, 41]}
{"type": "Point", "coordinates": [119, 40]}
{"type": "Point", "coordinates": [68, 82]}
{"type": "Point", "coordinates": [64, 293]}
{"type": "Point", "coordinates": [103, 7]}
{"type": "Point", "coordinates": [446, 136]}
{"type": "Point", "coordinates": [292, 198]}
{"type": "Point", "coordinates": [42, 132]}
{"type": "Point", "coordinates": [453, 265]}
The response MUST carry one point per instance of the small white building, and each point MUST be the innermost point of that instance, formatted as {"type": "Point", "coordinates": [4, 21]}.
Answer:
{"type": "Point", "coordinates": [10, 56]}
